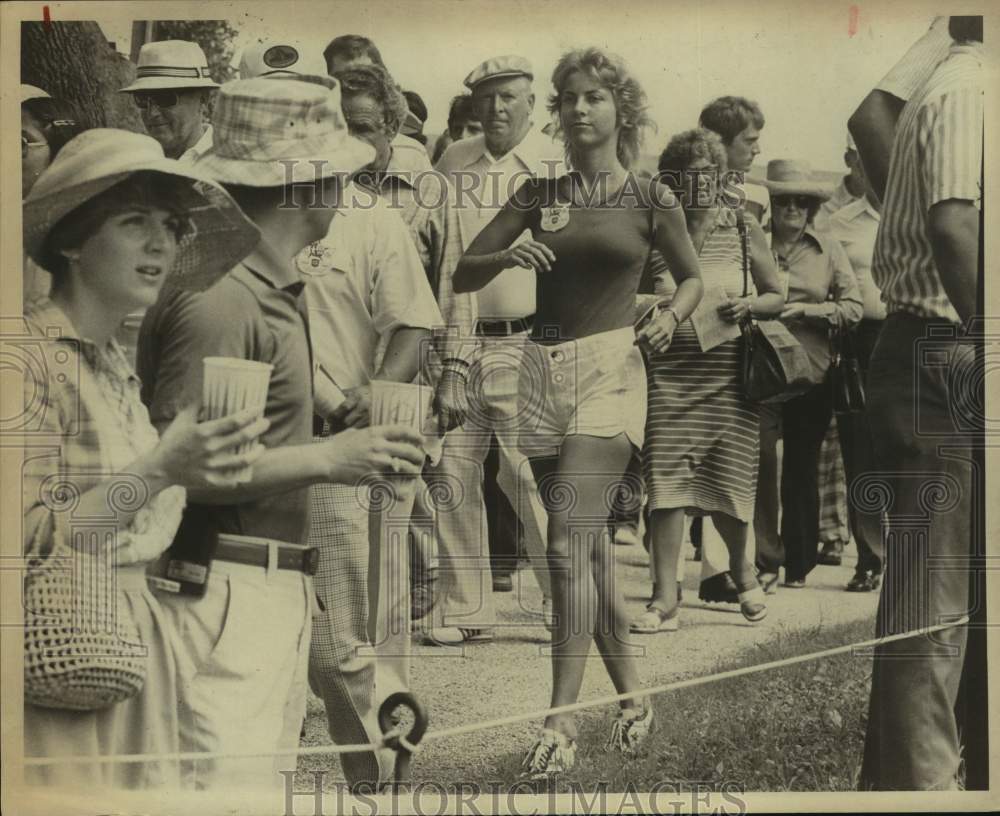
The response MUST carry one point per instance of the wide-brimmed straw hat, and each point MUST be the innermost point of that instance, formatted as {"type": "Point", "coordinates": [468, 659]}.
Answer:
{"type": "Point", "coordinates": [794, 177]}
{"type": "Point", "coordinates": [173, 64]}
{"type": "Point", "coordinates": [100, 158]}
{"type": "Point", "coordinates": [275, 131]}
{"type": "Point", "coordinates": [33, 92]}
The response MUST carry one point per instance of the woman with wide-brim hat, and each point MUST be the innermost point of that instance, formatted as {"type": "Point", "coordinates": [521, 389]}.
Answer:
{"type": "Point", "coordinates": [112, 220]}
{"type": "Point", "coordinates": [821, 295]}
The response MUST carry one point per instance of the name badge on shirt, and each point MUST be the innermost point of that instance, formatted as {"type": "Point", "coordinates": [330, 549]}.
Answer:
{"type": "Point", "coordinates": [554, 218]}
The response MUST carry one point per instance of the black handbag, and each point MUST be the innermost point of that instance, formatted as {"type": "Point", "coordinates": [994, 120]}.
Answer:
{"type": "Point", "coordinates": [773, 364]}
{"type": "Point", "coordinates": [846, 380]}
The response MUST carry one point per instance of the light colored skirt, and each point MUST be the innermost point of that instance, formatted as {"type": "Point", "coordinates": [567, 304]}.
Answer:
{"type": "Point", "coordinates": [146, 723]}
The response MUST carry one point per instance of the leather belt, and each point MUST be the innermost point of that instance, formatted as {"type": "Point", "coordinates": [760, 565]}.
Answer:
{"type": "Point", "coordinates": [504, 328]}
{"type": "Point", "coordinates": [256, 553]}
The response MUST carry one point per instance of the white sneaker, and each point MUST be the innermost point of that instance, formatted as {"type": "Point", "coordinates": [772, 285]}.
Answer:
{"type": "Point", "coordinates": [553, 753]}
{"type": "Point", "coordinates": [455, 636]}
{"type": "Point", "coordinates": [630, 729]}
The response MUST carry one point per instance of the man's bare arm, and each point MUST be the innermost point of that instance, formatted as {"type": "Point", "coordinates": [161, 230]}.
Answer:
{"type": "Point", "coordinates": [953, 229]}
{"type": "Point", "coordinates": [873, 126]}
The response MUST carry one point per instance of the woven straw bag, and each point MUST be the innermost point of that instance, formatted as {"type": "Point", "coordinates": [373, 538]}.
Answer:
{"type": "Point", "coordinates": [82, 648]}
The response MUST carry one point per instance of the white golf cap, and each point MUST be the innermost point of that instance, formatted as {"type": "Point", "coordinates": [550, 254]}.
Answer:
{"type": "Point", "coordinates": [267, 57]}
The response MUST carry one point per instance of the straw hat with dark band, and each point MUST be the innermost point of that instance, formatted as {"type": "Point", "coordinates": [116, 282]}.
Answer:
{"type": "Point", "coordinates": [173, 64]}
{"type": "Point", "coordinates": [100, 158]}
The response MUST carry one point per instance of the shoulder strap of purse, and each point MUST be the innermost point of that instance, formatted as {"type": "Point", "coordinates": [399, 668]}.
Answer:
{"type": "Point", "coordinates": [741, 226]}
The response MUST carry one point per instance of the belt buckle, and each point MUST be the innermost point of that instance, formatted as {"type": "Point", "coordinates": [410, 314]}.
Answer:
{"type": "Point", "coordinates": [310, 560]}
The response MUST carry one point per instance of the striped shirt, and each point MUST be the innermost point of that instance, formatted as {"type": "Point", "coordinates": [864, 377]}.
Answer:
{"type": "Point", "coordinates": [91, 425]}
{"type": "Point", "coordinates": [936, 156]}
{"type": "Point", "coordinates": [911, 72]}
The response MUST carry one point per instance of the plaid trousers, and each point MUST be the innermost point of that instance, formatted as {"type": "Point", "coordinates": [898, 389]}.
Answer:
{"type": "Point", "coordinates": [833, 519]}
{"type": "Point", "coordinates": [456, 483]}
{"type": "Point", "coordinates": [342, 659]}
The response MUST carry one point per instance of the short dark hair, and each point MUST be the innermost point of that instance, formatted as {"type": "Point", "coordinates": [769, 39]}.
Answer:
{"type": "Point", "coordinates": [966, 29]}
{"type": "Point", "coordinates": [375, 81]}
{"type": "Point", "coordinates": [461, 111]}
{"type": "Point", "coordinates": [351, 46]}
{"type": "Point", "coordinates": [57, 120]}
{"type": "Point", "coordinates": [729, 116]}
{"type": "Point", "coordinates": [142, 188]}
{"type": "Point", "coordinates": [416, 105]}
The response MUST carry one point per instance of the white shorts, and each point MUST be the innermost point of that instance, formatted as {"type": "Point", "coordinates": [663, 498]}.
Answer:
{"type": "Point", "coordinates": [595, 386]}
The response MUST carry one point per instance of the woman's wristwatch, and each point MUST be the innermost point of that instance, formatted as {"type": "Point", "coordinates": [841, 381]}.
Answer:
{"type": "Point", "coordinates": [677, 317]}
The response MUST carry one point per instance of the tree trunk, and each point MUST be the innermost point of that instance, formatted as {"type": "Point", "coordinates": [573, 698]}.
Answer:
{"type": "Point", "coordinates": [74, 62]}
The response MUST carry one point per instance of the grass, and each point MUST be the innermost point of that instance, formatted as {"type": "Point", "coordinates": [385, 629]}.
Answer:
{"type": "Point", "coordinates": [798, 728]}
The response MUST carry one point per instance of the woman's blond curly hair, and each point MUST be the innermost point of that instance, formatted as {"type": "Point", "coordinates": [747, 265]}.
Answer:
{"type": "Point", "coordinates": [630, 99]}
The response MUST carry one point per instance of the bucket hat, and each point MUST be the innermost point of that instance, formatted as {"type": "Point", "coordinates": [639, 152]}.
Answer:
{"type": "Point", "coordinates": [171, 64]}
{"type": "Point", "coordinates": [274, 131]}
{"type": "Point", "coordinates": [98, 159]}
{"type": "Point", "coordinates": [794, 177]}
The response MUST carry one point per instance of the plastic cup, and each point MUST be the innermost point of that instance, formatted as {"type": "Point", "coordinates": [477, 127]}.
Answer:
{"type": "Point", "coordinates": [395, 403]}
{"type": "Point", "coordinates": [231, 385]}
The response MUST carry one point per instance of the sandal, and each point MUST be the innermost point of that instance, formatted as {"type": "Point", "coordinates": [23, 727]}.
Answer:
{"type": "Point", "coordinates": [655, 620]}
{"type": "Point", "coordinates": [553, 753]}
{"type": "Point", "coordinates": [752, 604]}
{"type": "Point", "coordinates": [630, 729]}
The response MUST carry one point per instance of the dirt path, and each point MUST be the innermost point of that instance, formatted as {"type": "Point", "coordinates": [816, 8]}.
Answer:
{"type": "Point", "coordinates": [513, 673]}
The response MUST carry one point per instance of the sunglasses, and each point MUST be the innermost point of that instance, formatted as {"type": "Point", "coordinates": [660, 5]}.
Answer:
{"type": "Point", "coordinates": [162, 99]}
{"type": "Point", "coordinates": [801, 201]}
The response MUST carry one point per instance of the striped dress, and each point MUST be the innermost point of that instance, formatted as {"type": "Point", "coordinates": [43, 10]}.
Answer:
{"type": "Point", "coordinates": [702, 437]}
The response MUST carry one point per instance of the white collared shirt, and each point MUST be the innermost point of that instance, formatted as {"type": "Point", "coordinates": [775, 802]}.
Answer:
{"type": "Point", "coordinates": [363, 280]}
{"type": "Point", "coordinates": [855, 226]}
{"type": "Point", "coordinates": [192, 154]}
{"type": "Point", "coordinates": [483, 184]}
{"type": "Point", "coordinates": [409, 155]}
{"type": "Point", "coordinates": [840, 197]}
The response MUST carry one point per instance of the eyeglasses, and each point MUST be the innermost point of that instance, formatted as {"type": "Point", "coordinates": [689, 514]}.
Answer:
{"type": "Point", "coordinates": [801, 201]}
{"type": "Point", "coordinates": [27, 144]}
{"type": "Point", "coordinates": [162, 99]}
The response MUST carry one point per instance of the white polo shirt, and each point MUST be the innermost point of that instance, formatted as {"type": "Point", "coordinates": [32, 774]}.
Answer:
{"type": "Point", "coordinates": [364, 280]}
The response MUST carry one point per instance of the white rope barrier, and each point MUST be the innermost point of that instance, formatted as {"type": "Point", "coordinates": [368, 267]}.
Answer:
{"type": "Point", "coordinates": [444, 733]}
